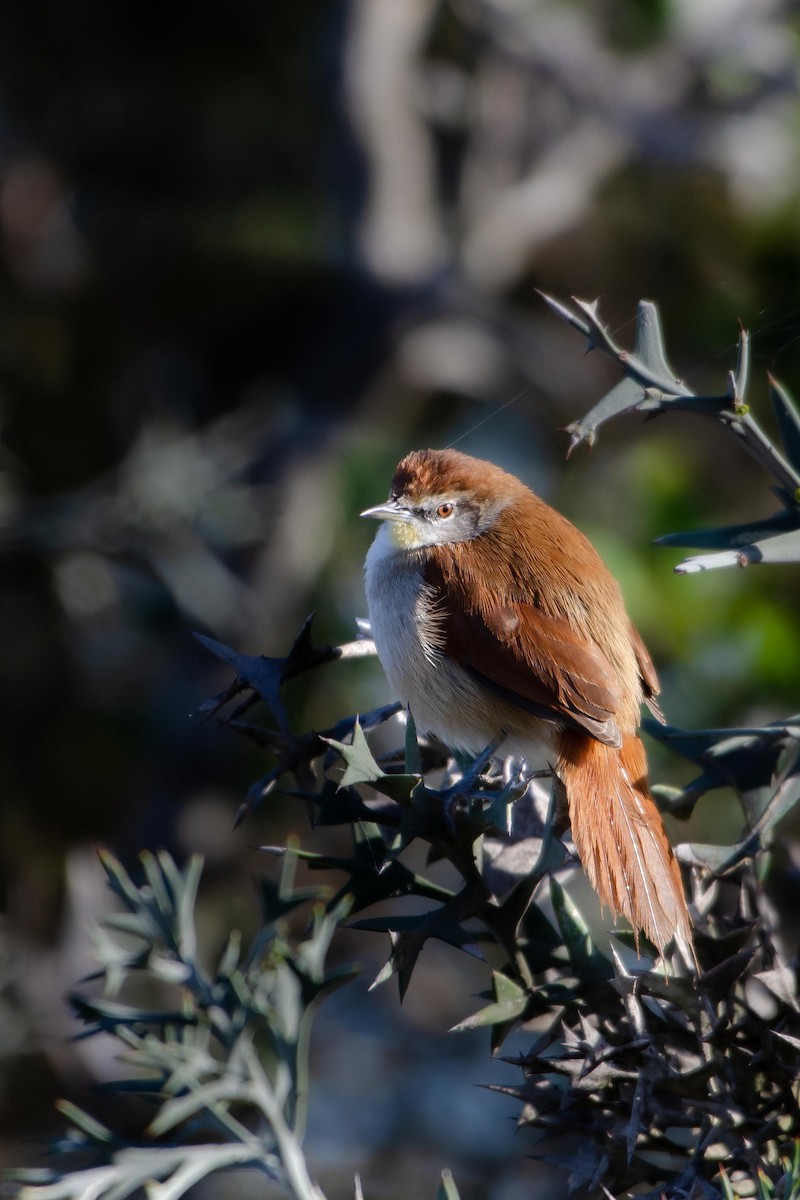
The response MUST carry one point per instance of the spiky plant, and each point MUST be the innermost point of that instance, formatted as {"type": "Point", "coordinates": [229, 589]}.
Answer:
{"type": "Point", "coordinates": [637, 1073]}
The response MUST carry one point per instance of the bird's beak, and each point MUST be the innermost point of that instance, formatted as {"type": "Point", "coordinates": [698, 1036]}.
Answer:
{"type": "Point", "coordinates": [392, 510]}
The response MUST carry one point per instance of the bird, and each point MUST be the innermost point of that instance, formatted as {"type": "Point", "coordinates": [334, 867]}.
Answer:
{"type": "Point", "coordinates": [497, 623]}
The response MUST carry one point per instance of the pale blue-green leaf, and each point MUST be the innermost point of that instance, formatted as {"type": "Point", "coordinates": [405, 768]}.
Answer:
{"type": "Point", "coordinates": [740, 373]}
{"type": "Point", "coordinates": [360, 765]}
{"type": "Point", "coordinates": [782, 982]}
{"type": "Point", "coordinates": [402, 959]}
{"type": "Point", "coordinates": [782, 548]}
{"type": "Point", "coordinates": [197, 1162]}
{"type": "Point", "coordinates": [783, 800]}
{"type": "Point", "coordinates": [622, 398]}
{"type": "Point", "coordinates": [583, 953]}
{"type": "Point", "coordinates": [157, 883]}
{"type": "Point", "coordinates": [788, 420]}
{"type": "Point", "coordinates": [134, 924]}
{"type": "Point", "coordinates": [599, 337]}
{"type": "Point", "coordinates": [509, 1004]}
{"type": "Point", "coordinates": [229, 959]}
{"type": "Point", "coordinates": [187, 898]}
{"type": "Point", "coordinates": [209, 1098]}
{"type": "Point", "coordinates": [171, 970]}
{"type": "Point", "coordinates": [85, 1122]}
{"type": "Point", "coordinates": [119, 880]}
{"type": "Point", "coordinates": [565, 314]}
{"type": "Point", "coordinates": [717, 859]}
{"type": "Point", "coordinates": [447, 1189]}
{"type": "Point", "coordinates": [648, 349]}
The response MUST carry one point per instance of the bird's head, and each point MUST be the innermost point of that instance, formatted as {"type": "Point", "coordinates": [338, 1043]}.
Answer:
{"type": "Point", "coordinates": [442, 496]}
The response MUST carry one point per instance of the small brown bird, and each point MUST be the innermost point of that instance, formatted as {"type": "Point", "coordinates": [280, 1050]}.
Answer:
{"type": "Point", "coordinates": [496, 620]}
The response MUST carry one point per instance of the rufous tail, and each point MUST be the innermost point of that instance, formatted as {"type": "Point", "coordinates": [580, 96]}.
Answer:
{"type": "Point", "coordinates": [620, 838]}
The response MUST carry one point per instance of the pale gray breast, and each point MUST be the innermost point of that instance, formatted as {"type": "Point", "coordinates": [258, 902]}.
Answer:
{"type": "Point", "coordinates": [401, 614]}
{"type": "Point", "coordinates": [406, 620]}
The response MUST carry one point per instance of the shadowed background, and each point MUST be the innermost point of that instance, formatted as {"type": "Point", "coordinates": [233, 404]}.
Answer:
{"type": "Point", "coordinates": [248, 258]}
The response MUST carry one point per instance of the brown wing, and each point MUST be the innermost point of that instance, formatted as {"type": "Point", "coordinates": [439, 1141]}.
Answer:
{"type": "Point", "coordinates": [535, 662]}
{"type": "Point", "coordinates": [650, 684]}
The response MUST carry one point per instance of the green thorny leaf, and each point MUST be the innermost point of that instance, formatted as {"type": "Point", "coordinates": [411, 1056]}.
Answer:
{"type": "Point", "coordinates": [649, 380]}
{"type": "Point", "coordinates": [409, 934]}
{"type": "Point", "coordinates": [650, 386]}
{"type": "Point", "coordinates": [361, 767]}
{"type": "Point", "coordinates": [265, 676]}
{"type": "Point", "coordinates": [262, 677]}
{"type": "Point", "coordinates": [510, 1005]}
{"type": "Point", "coordinates": [370, 875]}
{"type": "Point", "coordinates": [585, 958]}
{"type": "Point", "coordinates": [788, 420]}
{"type": "Point", "coordinates": [447, 1189]}
{"type": "Point", "coordinates": [762, 763]}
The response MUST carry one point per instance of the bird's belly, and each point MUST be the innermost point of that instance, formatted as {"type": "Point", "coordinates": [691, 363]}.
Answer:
{"type": "Point", "coordinates": [441, 696]}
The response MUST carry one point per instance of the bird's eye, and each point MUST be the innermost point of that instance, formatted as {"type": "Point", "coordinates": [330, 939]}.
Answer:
{"type": "Point", "coordinates": [445, 510]}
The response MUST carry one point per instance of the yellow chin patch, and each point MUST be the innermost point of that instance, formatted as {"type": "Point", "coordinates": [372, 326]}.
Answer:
{"type": "Point", "coordinates": [404, 535]}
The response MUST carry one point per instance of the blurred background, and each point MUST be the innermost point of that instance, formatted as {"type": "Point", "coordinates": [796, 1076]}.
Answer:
{"type": "Point", "coordinates": [249, 256]}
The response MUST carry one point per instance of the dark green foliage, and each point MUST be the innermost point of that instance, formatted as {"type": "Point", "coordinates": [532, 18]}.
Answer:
{"type": "Point", "coordinates": [663, 1079]}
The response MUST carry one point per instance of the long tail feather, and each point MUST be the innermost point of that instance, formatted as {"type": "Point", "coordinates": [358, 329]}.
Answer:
{"type": "Point", "coordinates": [620, 838]}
